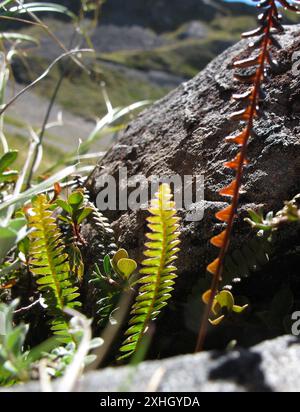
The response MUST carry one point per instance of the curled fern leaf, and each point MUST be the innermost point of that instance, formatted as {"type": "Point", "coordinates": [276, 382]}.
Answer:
{"type": "Point", "coordinates": [105, 238]}
{"type": "Point", "coordinates": [156, 283]}
{"type": "Point", "coordinates": [49, 263]}
{"type": "Point", "coordinates": [105, 232]}
{"type": "Point", "coordinates": [251, 256]}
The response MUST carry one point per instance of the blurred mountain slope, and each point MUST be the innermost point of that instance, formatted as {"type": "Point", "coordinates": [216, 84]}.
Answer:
{"type": "Point", "coordinates": [144, 48]}
{"type": "Point", "coordinates": [162, 15]}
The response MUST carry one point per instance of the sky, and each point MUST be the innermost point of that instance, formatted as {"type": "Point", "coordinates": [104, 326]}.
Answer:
{"type": "Point", "coordinates": [241, 1]}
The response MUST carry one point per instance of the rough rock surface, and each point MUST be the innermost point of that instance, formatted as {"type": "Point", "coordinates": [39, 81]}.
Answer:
{"type": "Point", "coordinates": [269, 366]}
{"type": "Point", "coordinates": [184, 134]}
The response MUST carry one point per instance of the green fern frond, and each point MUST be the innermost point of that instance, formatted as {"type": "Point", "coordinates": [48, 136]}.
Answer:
{"type": "Point", "coordinates": [102, 224]}
{"type": "Point", "coordinates": [250, 257]}
{"type": "Point", "coordinates": [105, 238]}
{"type": "Point", "coordinates": [156, 283]}
{"type": "Point", "coordinates": [49, 263]}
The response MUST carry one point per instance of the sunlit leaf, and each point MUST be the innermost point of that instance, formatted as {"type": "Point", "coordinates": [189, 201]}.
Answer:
{"type": "Point", "coordinates": [126, 267]}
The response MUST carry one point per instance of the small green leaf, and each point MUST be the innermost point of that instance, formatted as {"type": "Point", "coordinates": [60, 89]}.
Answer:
{"type": "Point", "coordinates": [239, 309]}
{"type": "Point", "coordinates": [75, 199]}
{"type": "Point", "coordinates": [225, 299]}
{"type": "Point", "coordinates": [133, 329]}
{"type": "Point", "coordinates": [217, 321]}
{"type": "Point", "coordinates": [64, 219]}
{"type": "Point", "coordinates": [84, 214]}
{"type": "Point", "coordinates": [64, 205]}
{"type": "Point", "coordinates": [17, 224]}
{"type": "Point", "coordinates": [7, 159]}
{"type": "Point", "coordinates": [120, 254]}
{"type": "Point", "coordinates": [126, 267]}
{"type": "Point", "coordinates": [126, 348]}
{"type": "Point", "coordinates": [256, 217]}
{"type": "Point", "coordinates": [107, 265]}
{"type": "Point", "coordinates": [9, 176]}
{"type": "Point", "coordinates": [152, 262]}
{"type": "Point", "coordinates": [11, 235]}
{"type": "Point", "coordinates": [45, 280]}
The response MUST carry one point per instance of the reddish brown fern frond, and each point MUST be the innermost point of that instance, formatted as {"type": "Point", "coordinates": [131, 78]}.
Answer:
{"type": "Point", "coordinates": [269, 20]}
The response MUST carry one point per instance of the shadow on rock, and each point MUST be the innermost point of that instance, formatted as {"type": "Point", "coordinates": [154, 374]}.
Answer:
{"type": "Point", "coordinates": [243, 368]}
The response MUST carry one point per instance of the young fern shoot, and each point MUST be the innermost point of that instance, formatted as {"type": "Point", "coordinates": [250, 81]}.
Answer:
{"type": "Point", "coordinates": [49, 263]}
{"type": "Point", "coordinates": [156, 283]}
{"type": "Point", "coordinates": [269, 21]}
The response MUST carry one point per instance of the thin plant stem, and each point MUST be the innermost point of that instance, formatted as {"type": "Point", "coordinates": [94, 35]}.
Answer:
{"type": "Point", "coordinates": [239, 174]}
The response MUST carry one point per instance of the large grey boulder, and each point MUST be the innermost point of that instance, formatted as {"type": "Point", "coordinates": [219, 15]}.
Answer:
{"type": "Point", "coordinates": [184, 134]}
{"type": "Point", "coordinates": [270, 366]}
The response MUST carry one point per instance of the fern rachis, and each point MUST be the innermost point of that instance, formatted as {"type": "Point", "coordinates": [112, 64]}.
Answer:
{"type": "Point", "coordinates": [158, 274]}
{"type": "Point", "coordinates": [269, 21]}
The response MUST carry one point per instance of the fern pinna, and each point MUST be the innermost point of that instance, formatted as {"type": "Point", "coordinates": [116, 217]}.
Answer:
{"type": "Point", "coordinates": [156, 283]}
{"type": "Point", "coordinates": [256, 66]}
{"type": "Point", "coordinates": [49, 262]}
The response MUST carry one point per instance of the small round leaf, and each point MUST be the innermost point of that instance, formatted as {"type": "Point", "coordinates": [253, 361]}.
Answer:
{"type": "Point", "coordinates": [126, 267]}
{"type": "Point", "coordinates": [120, 254]}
